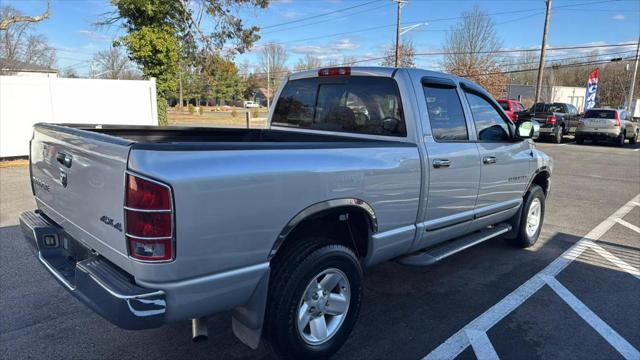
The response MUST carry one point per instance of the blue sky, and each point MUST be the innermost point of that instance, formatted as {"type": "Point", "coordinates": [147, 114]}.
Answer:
{"type": "Point", "coordinates": [72, 32]}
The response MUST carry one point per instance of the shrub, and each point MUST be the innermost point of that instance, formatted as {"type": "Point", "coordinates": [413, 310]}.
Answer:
{"type": "Point", "coordinates": [234, 113]}
{"type": "Point", "coordinates": [191, 109]}
{"type": "Point", "coordinates": [255, 113]}
{"type": "Point", "coordinates": [201, 110]}
{"type": "Point", "coordinates": [162, 111]}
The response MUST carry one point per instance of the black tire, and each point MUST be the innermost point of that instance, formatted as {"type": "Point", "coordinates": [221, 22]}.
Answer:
{"type": "Point", "coordinates": [634, 139]}
{"type": "Point", "coordinates": [620, 139]}
{"type": "Point", "coordinates": [579, 140]}
{"type": "Point", "coordinates": [521, 238]}
{"type": "Point", "coordinates": [289, 280]}
{"type": "Point", "coordinates": [557, 137]}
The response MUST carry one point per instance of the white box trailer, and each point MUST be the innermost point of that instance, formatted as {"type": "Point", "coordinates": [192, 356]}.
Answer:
{"type": "Point", "coordinates": [26, 100]}
{"type": "Point", "coordinates": [569, 95]}
{"type": "Point", "coordinates": [635, 108]}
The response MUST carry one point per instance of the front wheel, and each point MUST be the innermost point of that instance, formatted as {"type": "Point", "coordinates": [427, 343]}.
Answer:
{"type": "Point", "coordinates": [531, 219]}
{"type": "Point", "coordinates": [314, 301]}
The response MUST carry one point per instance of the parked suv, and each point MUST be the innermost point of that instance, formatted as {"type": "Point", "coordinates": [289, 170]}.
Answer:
{"type": "Point", "coordinates": [607, 124]}
{"type": "Point", "coordinates": [556, 119]}
{"type": "Point", "coordinates": [153, 225]}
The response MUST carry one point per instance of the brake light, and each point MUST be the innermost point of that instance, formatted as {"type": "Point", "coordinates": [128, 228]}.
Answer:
{"type": "Point", "coordinates": [551, 120]}
{"type": "Point", "coordinates": [149, 220]}
{"type": "Point", "coordinates": [515, 117]}
{"type": "Point", "coordinates": [335, 71]}
{"type": "Point", "coordinates": [616, 119]}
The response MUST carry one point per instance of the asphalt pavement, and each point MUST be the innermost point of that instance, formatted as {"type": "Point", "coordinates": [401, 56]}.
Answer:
{"type": "Point", "coordinates": [574, 295]}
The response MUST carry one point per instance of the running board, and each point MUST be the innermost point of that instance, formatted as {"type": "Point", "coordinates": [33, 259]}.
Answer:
{"type": "Point", "coordinates": [439, 252]}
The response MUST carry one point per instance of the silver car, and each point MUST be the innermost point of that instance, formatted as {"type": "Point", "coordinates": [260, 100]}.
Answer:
{"type": "Point", "coordinates": [607, 124]}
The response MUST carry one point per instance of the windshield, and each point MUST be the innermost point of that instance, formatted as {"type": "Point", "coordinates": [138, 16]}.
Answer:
{"type": "Point", "coordinates": [357, 104]}
{"type": "Point", "coordinates": [504, 105]}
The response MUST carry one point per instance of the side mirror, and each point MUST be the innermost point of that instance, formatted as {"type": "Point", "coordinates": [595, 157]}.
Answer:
{"type": "Point", "coordinates": [527, 130]}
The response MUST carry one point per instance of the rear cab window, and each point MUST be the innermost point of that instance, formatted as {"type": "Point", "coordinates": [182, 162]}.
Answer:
{"type": "Point", "coordinates": [504, 104]}
{"type": "Point", "coordinates": [352, 104]}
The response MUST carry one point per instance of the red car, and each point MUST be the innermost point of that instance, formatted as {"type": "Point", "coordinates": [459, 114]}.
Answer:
{"type": "Point", "coordinates": [511, 107]}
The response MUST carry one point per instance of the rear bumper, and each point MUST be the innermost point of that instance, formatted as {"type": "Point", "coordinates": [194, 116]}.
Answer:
{"type": "Point", "coordinates": [604, 134]}
{"type": "Point", "coordinates": [92, 279]}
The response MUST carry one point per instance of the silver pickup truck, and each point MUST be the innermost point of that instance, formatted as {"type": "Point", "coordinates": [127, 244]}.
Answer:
{"type": "Point", "coordinates": [152, 225]}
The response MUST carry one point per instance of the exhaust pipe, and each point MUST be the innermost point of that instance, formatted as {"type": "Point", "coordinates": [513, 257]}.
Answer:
{"type": "Point", "coordinates": [199, 329]}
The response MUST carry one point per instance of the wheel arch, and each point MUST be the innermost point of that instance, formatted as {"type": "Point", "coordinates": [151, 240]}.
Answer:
{"type": "Point", "coordinates": [323, 210]}
{"type": "Point", "coordinates": [541, 178]}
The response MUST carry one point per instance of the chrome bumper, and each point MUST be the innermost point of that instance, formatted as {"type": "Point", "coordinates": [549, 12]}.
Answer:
{"type": "Point", "coordinates": [99, 284]}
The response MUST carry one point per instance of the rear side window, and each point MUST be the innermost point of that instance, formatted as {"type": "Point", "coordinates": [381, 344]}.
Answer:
{"type": "Point", "coordinates": [504, 105]}
{"type": "Point", "coordinates": [600, 114]}
{"type": "Point", "coordinates": [357, 104]}
{"type": "Point", "coordinates": [445, 114]}
{"type": "Point", "coordinates": [489, 124]}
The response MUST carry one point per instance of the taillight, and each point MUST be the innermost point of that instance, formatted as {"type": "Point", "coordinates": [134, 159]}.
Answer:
{"type": "Point", "coordinates": [335, 71]}
{"type": "Point", "coordinates": [149, 220]}
{"type": "Point", "coordinates": [551, 120]}
{"type": "Point", "coordinates": [515, 117]}
{"type": "Point", "coordinates": [616, 119]}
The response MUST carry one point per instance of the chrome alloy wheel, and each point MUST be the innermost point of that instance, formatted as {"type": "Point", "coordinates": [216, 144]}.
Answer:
{"type": "Point", "coordinates": [533, 217]}
{"type": "Point", "coordinates": [323, 307]}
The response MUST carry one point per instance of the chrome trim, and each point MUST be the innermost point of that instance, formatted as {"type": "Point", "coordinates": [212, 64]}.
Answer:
{"type": "Point", "coordinates": [117, 294]}
{"type": "Point", "coordinates": [174, 247]}
{"type": "Point", "coordinates": [148, 238]}
{"type": "Point", "coordinates": [55, 273]}
{"type": "Point", "coordinates": [147, 210]}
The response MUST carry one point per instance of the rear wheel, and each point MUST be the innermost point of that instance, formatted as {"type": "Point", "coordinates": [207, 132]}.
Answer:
{"type": "Point", "coordinates": [314, 300]}
{"type": "Point", "coordinates": [634, 139]}
{"type": "Point", "coordinates": [531, 219]}
{"type": "Point", "coordinates": [579, 140]}
{"type": "Point", "coordinates": [620, 139]}
{"type": "Point", "coordinates": [558, 135]}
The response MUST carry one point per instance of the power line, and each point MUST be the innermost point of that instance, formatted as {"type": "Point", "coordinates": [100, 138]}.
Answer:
{"type": "Point", "coordinates": [320, 15]}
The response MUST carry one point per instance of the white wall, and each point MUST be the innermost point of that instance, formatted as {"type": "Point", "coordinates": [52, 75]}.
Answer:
{"type": "Point", "coordinates": [25, 101]}
{"type": "Point", "coordinates": [569, 95]}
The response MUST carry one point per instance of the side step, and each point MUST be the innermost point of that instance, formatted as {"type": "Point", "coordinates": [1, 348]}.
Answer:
{"type": "Point", "coordinates": [439, 252]}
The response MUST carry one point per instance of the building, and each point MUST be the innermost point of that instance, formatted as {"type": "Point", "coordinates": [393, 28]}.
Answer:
{"type": "Point", "coordinates": [562, 94]}
{"type": "Point", "coordinates": [19, 68]}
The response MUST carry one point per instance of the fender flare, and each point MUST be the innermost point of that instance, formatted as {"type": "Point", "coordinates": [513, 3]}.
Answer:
{"type": "Point", "coordinates": [320, 207]}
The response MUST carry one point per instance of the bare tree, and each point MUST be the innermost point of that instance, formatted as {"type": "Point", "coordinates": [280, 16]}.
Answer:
{"type": "Point", "coordinates": [17, 18]}
{"type": "Point", "coordinates": [113, 64]}
{"type": "Point", "coordinates": [349, 60]}
{"type": "Point", "coordinates": [471, 46]}
{"type": "Point", "coordinates": [273, 57]}
{"type": "Point", "coordinates": [406, 54]}
{"type": "Point", "coordinates": [307, 63]}
{"type": "Point", "coordinates": [18, 43]}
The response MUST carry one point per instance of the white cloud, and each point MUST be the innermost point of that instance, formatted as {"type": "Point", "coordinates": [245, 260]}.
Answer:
{"type": "Point", "coordinates": [290, 14]}
{"type": "Point", "coordinates": [325, 51]}
{"type": "Point", "coordinates": [619, 17]}
{"type": "Point", "coordinates": [94, 35]}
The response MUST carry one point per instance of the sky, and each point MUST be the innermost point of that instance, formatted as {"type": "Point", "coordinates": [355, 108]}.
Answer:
{"type": "Point", "coordinates": [334, 29]}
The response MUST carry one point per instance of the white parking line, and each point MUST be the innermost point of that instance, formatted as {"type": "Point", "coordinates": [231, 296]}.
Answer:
{"type": "Point", "coordinates": [565, 144]}
{"type": "Point", "coordinates": [636, 149]}
{"type": "Point", "coordinates": [618, 342]}
{"type": "Point", "coordinates": [459, 341]}
{"type": "Point", "coordinates": [630, 226]}
{"type": "Point", "coordinates": [615, 260]}
{"type": "Point", "coordinates": [481, 344]}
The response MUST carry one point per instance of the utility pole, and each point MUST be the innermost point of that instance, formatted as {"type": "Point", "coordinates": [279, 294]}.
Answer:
{"type": "Point", "coordinates": [180, 82]}
{"type": "Point", "coordinates": [268, 81]}
{"type": "Point", "coordinates": [633, 78]}
{"type": "Point", "coordinates": [399, 6]}
{"type": "Point", "coordinates": [542, 50]}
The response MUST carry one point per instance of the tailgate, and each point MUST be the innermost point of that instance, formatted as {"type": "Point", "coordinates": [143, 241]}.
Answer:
{"type": "Point", "coordinates": [78, 181]}
{"type": "Point", "coordinates": [597, 124]}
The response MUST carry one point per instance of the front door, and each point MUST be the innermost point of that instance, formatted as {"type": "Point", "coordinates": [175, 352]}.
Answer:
{"type": "Point", "coordinates": [452, 164]}
{"type": "Point", "coordinates": [505, 162]}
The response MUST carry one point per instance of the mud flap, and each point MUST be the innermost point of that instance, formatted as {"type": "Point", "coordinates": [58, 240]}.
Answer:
{"type": "Point", "coordinates": [515, 222]}
{"type": "Point", "coordinates": [247, 320]}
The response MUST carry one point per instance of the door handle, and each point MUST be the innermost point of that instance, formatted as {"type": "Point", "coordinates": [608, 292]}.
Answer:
{"type": "Point", "coordinates": [64, 159]}
{"type": "Point", "coordinates": [489, 159]}
{"type": "Point", "coordinates": [441, 163]}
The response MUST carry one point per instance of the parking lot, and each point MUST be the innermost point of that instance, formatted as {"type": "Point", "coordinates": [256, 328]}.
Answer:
{"type": "Point", "coordinates": [574, 295]}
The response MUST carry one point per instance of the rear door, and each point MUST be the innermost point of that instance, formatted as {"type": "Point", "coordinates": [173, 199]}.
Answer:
{"type": "Point", "coordinates": [78, 181]}
{"type": "Point", "coordinates": [452, 164]}
{"type": "Point", "coordinates": [505, 163]}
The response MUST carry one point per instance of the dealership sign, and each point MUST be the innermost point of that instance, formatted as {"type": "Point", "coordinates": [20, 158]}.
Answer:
{"type": "Point", "coordinates": [592, 88]}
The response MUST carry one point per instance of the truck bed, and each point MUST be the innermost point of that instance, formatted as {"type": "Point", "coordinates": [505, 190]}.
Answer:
{"type": "Point", "coordinates": [209, 138]}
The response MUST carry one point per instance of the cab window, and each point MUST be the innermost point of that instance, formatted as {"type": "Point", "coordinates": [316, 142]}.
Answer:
{"type": "Point", "coordinates": [489, 124]}
{"type": "Point", "coordinates": [445, 114]}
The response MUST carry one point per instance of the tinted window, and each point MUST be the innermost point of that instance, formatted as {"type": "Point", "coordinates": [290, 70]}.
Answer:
{"type": "Point", "coordinates": [489, 124]}
{"type": "Point", "coordinates": [360, 104]}
{"type": "Point", "coordinates": [504, 105]}
{"type": "Point", "coordinates": [600, 114]}
{"type": "Point", "coordinates": [542, 107]}
{"type": "Point", "coordinates": [445, 114]}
